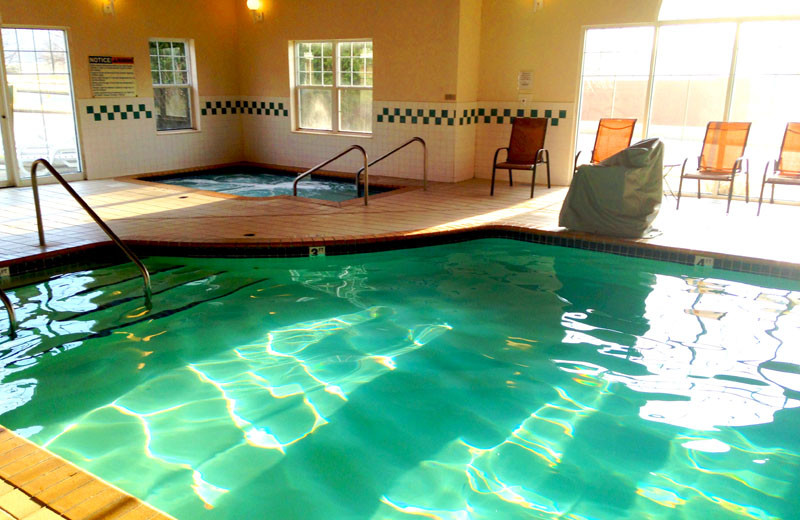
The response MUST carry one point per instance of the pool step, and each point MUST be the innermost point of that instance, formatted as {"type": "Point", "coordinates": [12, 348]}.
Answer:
{"type": "Point", "coordinates": [54, 325]}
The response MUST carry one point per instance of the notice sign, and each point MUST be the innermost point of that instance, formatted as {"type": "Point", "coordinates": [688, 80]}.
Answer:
{"type": "Point", "coordinates": [525, 81]}
{"type": "Point", "coordinates": [112, 76]}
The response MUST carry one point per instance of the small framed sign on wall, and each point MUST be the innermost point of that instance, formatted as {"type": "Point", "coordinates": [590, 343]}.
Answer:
{"type": "Point", "coordinates": [112, 76]}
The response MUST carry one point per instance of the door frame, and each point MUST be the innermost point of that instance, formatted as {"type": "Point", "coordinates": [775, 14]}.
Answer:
{"type": "Point", "coordinates": [14, 173]}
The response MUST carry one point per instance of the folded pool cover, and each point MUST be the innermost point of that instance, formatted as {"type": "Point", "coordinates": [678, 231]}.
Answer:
{"type": "Point", "coordinates": [620, 196]}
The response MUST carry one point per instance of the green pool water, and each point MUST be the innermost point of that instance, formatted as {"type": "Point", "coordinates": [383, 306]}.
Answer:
{"type": "Point", "coordinates": [490, 379]}
{"type": "Point", "coordinates": [259, 182]}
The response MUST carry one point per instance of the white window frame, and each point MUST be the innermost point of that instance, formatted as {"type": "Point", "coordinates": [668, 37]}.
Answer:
{"type": "Point", "coordinates": [191, 86]}
{"type": "Point", "coordinates": [335, 89]}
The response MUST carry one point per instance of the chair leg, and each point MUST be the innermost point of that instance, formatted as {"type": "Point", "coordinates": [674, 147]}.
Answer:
{"type": "Point", "coordinates": [533, 179]}
{"type": "Point", "coordinates": [680, 186]}
{"type": "Point", "coordinates": [494, 171]}
{"type": "Point", "coordinates": [510, 180]}
{"type": "Point", "coordinates": [730, 194]}
{"type": "Point", "coordinates": [698, 188]}
{"type": "Point", "coordinates": [772, 194]}
{"type": "Point", "coordinates": [760, 198]}
{"type": "Point", "coordinates": [747, 186]}
{"type": "Point", "coordinates": [548, 171]}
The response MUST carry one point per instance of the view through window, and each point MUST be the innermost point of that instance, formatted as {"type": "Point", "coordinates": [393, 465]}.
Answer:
{"type": "Point", "coordinates": [706, 71]}
{"type": "Point", "coordinates": [40, 94]}
{"type": "Point", "coordinates": [333, 85]}
{"type": "Point", "coordinates": [170, 68]}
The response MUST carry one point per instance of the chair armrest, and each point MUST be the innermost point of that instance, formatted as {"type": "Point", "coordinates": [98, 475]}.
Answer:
{"type": "Point", "coordinates": [541, 154]}
{"type": "Point", "coordinates": [737, 165]}
{"type": "Point", "coordinates": [683, 166]}
{"type": "Point", "coordinates": [766, 168]}
{"type": "Point", "coordinates": [497, 152]}
{"type": "Point", "coordinates": [577, 155]}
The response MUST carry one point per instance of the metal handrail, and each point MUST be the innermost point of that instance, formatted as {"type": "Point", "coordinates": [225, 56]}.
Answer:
{"type": "Point", "coordinates": [384, 156]}
{"type": "Point", "coordinates": [12, 316]}
{"type": "Point", "coordinates": [148, 293]}
{"type": "Point", "coordinates": [365, 169]}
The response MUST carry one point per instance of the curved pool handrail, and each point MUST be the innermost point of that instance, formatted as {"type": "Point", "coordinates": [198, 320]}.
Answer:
{"type": "Point", "coordinates": [384, 156]}
{"type": "Point", "coordinates": [12, 316]}
{"type": "Point", "coordinates": [148, 293]}
{"type": "Point", "coordinates": [365, 169]}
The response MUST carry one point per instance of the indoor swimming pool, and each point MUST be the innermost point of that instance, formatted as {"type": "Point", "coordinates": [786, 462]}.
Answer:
{"type": "Point", "coordinates": [259, 182]}
{"type": "Point", "coordinates": [489, 379]}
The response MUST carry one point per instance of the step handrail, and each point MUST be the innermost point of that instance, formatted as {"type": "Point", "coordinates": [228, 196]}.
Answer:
{"type": "Point", "coordinates": [384, 156]}
{"type": "Point", "coordinates": [148, 292]}
{"type": "Point", "coordinates": [365, 169]}
{"type": "Point", "coordinates": [12, 316]}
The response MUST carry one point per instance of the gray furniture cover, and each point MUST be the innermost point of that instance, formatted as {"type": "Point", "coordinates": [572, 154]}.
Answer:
{"type": "Point", "coordinates": [619, 196]}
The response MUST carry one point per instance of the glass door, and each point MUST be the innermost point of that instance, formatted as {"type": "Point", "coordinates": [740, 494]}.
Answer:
{"type": "Point", "coordinates": [765, 91]}
{"type": "Point", "coordinates": [39, 94]}
{"type": "Point", "coordinates": [616, 71]}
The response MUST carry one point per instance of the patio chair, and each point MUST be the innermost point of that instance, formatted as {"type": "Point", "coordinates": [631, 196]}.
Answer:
{"type": "Point", "coordinates": [525, 150]}
{"type": "Point", "coordinates": [786, 170]}
{"type": "Point", "coordinates": [613, 135]}
{"type": "Point", "coordinates": [721, 158]}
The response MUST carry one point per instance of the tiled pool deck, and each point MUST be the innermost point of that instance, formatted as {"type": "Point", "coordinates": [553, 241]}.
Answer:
{"type": "Point", "coordinates": [160, 217]}
{"type": "Point", "coordinates": [37, 485]}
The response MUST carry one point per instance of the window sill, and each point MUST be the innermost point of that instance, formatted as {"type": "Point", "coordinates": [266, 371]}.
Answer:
{"type": "Point", "coordinates": [177, 132]}
{"type": "Point", "coordinates": [333, 134]}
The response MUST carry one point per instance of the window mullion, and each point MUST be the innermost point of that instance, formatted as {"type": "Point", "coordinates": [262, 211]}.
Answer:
{"type": "Point", "coordinates": [650, 83]}
{"type": "Point", "coordinates": [335, 88]}
{"type": "Point", "coordinates": [732, 73]}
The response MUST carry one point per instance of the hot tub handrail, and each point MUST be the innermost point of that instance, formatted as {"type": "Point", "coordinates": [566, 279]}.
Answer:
{"type": "Point", "coordinates": [148, 293]}
{"type": "Point", "coordinates": [384, 156]}
{"type": "Point", "coordinates": [365, 169]}
{"type": "Point", "coordinates": [12, 316]}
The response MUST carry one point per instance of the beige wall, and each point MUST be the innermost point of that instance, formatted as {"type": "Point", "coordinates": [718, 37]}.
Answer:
{"type": "Point", "coordinates": [212, 23]}
{"type": "Point", "coordinates": [548, 42]}
{"type": "Point", "coordinates": [469, 50]}
{"type": "Point", "coordinates": [424, 49]}
{"type": "Point", "coordinates": [415, 43]}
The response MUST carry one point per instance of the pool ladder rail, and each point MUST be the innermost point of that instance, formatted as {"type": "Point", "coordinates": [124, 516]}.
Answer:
{"type": "Point", "coordinates": [387, 154]}
{"type": "Point", "coordinates": [340, 154]}
{"type": "Point", "coordinates": [12, 316]}
{"type": "Point", "coordinates": [148, 292]}
{"type": "Point", "coordinates": [367, 164]}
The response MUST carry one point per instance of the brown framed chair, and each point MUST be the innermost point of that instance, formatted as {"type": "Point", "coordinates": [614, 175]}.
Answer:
{"type": "Point", "coordinates": [786, 170]}
{"type": "Point", "coordinates": [613, 135]}
{"type": "Point", "coordinates": [525, 150]}
{"type": "Point", "coordinates": [721, 157]}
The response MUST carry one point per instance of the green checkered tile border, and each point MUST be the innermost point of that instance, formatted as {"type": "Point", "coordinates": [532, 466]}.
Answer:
{"type": "Point", "coordinates": [417, 116]}
{"type": "Point", "coordinates": [507, 115]}
{"type": "Point", "coordinates": [471, 116]}
{"type": "Point", "coordinates": [118, 112]}
{"type": "Point", "coordinates": [266, 108]}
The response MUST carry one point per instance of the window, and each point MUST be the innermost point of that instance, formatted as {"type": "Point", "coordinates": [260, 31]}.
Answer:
{"type": "Point", "coordinates": [40, 94]}
{"type": "Point", "coordinates": [333, 85]}
{"type": "Point", "coordinates": [690, 84]}
{"type": "Point", "coordinates": [616, 70]}
{"type": "Point", "coordinates": [170, 65]}
{"type": "Point", "coordinates": [729, 70]}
